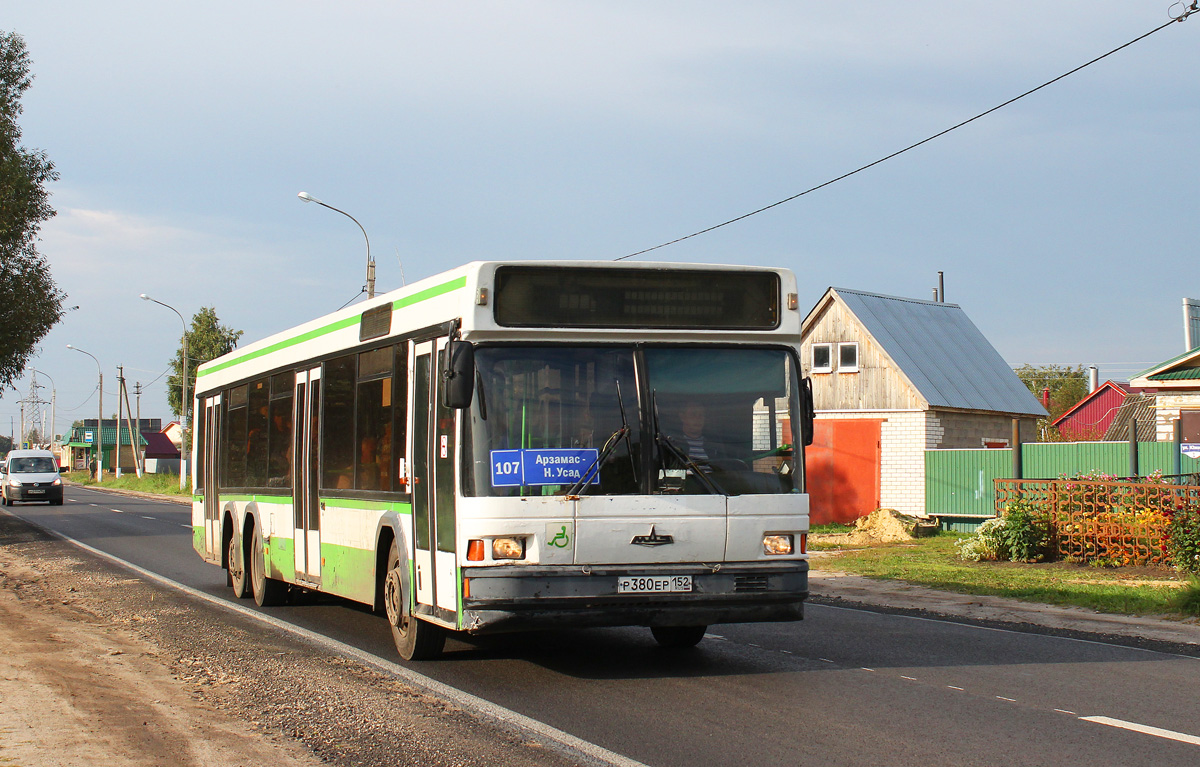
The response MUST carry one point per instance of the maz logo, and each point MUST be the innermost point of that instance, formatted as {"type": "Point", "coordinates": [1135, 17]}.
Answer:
{"type": "Point", "coordinates": [653, 539]}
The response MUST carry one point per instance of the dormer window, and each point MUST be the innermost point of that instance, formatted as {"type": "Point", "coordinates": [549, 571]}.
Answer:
{"type": "Point", "coordinates": [848, 357]}
{"type": "Point", "coordinates": [822, 358]}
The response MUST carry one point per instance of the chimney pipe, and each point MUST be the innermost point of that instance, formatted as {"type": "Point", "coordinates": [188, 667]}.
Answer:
{"type": "Point", "coordinates": [941, 289]}
{"type": "Point", "coordinates": [1093, 378]}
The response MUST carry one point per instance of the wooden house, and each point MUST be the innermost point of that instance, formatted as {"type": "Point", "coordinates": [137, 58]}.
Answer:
{"type": "Point", "coordinates": [892, 378]}
{"type": "Point", "coordinates": [1176, 386]}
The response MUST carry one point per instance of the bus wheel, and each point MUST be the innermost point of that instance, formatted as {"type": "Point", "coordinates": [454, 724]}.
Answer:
{"type": "Point", "coordinates": [236, 573]}
{"type": "Point", "coordinates": [267, 591]}
{"type": "Point", "coordinates": [678, 637]}
{"type": "Point", "coordinates": [415, 639]}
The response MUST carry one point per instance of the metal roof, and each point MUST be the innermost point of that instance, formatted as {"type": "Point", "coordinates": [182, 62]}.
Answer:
{"type": "Point", "coordinates": [938, 348]}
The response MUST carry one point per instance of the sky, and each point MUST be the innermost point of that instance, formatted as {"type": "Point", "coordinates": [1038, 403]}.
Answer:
{"type": "Point", "coordinates": [541, 130]}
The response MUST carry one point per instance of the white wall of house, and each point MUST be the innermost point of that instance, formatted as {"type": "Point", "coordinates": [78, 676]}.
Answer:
{"type": "Point", "coordinates": [1166, 412]}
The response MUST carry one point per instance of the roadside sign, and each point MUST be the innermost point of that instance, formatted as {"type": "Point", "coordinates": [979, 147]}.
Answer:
{"type": "Point", "coordinates": [87, 436]}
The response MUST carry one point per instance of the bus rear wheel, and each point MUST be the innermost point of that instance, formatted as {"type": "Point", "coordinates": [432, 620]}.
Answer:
{"type": "Point", "coordinates": [678, 637]}
{"type": "Point", "coordinates": [267, 591]}
{"type": "Point", "coordinates": [415, 639]}
{"type": "Point", "coordinates": [236, 569]}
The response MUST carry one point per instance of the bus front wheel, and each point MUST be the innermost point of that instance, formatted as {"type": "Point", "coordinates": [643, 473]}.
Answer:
{"type": "Point", "coordinates": [678, 637]}
{"type": "Point", "coordinates": [415, 639]}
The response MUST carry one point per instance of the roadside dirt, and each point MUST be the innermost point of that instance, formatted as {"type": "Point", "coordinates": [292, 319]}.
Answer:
{"type": "Point", "coordinates": [99, 667]}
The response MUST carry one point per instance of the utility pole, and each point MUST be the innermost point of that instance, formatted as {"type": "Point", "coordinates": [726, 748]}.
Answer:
{"type": "Point", "coordinates": [134, 437]}
{"type": "Point", "coordinates": [120, 388]}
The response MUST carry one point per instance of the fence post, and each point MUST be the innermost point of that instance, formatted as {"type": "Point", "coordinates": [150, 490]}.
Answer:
{"type": "Point", "coordinates": [1177, 455]}
{"type": "Point", "coordinates": [1016, 448]}
{"type": "Point", "coordinates": [1133, 448]}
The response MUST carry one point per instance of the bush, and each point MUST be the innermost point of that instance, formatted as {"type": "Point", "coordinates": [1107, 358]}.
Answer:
{"type": "Point", "coordinates": [988, 543]}
{"type": "Point", "coordinates": [1026, 532]}
{"type": "Point", "coordinates": [1183, 541]}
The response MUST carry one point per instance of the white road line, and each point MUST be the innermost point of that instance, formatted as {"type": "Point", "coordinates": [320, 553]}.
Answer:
{"type": "Point", "coordinates": [868, 669]}
{"type": "Point", "coordinates": [1010, 700]}
{"type": "Point", "coordinates": [119, 511]}
{"type": "Point", "coordinates": [952, 687]}
{"type": "Point", "coordinates": [486, 708]}
{"type": "Point", "coordinates": [1064, 711]}
{"type": "Point", "coordinates": [909, 678]}
{"type": "Point", "coordinates": [187, 527]}
{"type": "Point", "coordinates": [1144, 728]}
{"type": "Point", "coordinates": [145, 517]}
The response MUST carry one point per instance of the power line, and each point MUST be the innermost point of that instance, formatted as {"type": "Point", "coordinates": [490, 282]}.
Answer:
{"type": "Point", "coordinates": [1187, 10]}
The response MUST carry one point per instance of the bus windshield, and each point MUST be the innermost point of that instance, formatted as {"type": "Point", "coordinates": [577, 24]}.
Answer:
{"type": "Point", "coordinates": [623, 420]}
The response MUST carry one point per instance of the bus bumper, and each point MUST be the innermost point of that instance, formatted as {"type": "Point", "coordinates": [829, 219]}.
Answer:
{"type": "Point", "coordinates": [498, 599]}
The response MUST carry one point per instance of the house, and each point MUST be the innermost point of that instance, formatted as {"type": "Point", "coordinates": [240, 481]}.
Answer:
{"type": "Point", "coordinates": [80, 448]}
{"type": "Point", "coordinates": [161, 455]}
{"type": "Point", "coordinates": [1176, 387]}
{"type": "Point", "coordinates": [892, 378]}
{"type": "Point", "coordinates": [1090, 418]}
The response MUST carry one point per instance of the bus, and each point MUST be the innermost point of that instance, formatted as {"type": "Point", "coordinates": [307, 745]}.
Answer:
{"type": "Point", "coordinates": [520, 445]}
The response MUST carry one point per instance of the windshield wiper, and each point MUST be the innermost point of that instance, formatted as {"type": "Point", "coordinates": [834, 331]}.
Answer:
{"type": "Point", "coordinates": [665, 445]}
{"type": "Point", "coordinates": [609, 445]}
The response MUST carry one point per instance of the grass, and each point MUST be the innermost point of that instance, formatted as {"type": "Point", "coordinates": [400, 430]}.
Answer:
{"type": "Point", "coordinates": [163, 484]}
{"type": "Point", "coordinates": [932, 562]}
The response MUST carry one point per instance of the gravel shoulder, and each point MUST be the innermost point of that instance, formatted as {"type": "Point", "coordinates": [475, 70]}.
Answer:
{"type": "Point", "coordinates": [103, 668]}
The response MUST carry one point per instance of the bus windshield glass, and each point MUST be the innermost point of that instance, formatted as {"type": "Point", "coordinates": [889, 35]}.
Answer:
{"type": "Point", "coordinates": [623, 420]}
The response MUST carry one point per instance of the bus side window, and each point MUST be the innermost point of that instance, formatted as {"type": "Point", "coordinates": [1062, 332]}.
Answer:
{"type": "Point", "coordinates": [337, 406]}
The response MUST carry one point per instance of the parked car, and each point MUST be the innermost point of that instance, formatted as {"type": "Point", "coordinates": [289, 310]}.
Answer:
{"type": "Point", "coordinates": [31, 475]}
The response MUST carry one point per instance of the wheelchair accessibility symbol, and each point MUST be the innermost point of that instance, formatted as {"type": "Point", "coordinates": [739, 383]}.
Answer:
{"type": "Point", "coordinates": [558, 536]}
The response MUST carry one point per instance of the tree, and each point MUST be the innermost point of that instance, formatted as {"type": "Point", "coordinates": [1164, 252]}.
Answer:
{"type": "Point", "coordinates": [206, 339]}
{"type": "Point", "coordinates": [30, 302]}
{"type": "Point", "coordinates": [1068, 385]}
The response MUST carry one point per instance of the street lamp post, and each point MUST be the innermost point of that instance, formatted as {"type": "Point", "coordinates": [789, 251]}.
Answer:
{"type": "Point", "coordinates": [306, 197]}
{"type": "Point", "coordinates": [99, 416]}
{"type": "Point", "coordinates": [183, 400]}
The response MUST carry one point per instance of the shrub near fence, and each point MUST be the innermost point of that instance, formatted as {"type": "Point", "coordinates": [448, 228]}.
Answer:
{"type": "Point", "coordinates": [1101, 520]}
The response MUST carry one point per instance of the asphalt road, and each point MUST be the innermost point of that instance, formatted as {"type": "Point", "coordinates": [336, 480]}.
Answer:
{"type": "Point", "coordinates": [843, 687]}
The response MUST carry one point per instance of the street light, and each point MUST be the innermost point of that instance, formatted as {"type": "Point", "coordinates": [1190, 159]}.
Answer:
{"type": "Point", "coordinates": [99, 442]}
{"type": "Point", "coordinates": [183, 400]}
{"type": "Point", "coordinates": [306, 197]}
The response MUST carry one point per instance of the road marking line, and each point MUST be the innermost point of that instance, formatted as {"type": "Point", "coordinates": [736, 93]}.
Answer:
{"type": "Point", "coordinates": [1144, 728]}
{"type": "Point", "coordinates": [145, 517]}
{"type": "Point", "coordinates": [909, 678]}
{"type": "Point", "coordinates": [825, 660]}
{"type": "Point", "coordinates": [868, 669]}
{"type": "Point", "coordinates": [466, 700]}
{"type": "Point", "coordinates": [952, 687]}
{"type": "Point", "coordinates": [119, 511]}
{"type": "Point", "coordinates": [1010, 700]}
{"type": "Point", "coordinates": [188, 527]}
{"type": "Point", "coordinates": [1064, 711]}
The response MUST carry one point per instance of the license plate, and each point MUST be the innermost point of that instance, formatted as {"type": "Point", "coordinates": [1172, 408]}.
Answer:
{"type": "Point", "coordinates": [36, 492]}
{"type": "Point", "coordinates": [654, 584]}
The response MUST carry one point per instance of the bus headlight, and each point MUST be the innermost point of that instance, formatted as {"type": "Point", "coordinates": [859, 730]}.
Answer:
{"type": "Point", "coordinates": [776, 545]}
{"type": "Point", "coordinates": [508, 548]}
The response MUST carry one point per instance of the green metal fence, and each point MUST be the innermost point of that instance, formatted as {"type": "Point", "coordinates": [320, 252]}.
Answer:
{"type": "Point", "coordinates": [959, 487]}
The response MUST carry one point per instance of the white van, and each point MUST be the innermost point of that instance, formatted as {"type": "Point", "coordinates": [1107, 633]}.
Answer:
{"type": "Point", "coordinates": [31, 475]}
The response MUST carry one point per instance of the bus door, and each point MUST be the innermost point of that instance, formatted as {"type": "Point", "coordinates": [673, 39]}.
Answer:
{"type": "Point", "coordinates": [210, 436]}
{"type": "Point", "coordinates": [433, 449]}
{"type": "Point", "coordinates": [305, 503]}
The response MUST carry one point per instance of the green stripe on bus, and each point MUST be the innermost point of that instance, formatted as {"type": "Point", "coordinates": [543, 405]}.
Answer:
{"type": "Point", "coordinates": [348, 572]}
{"type": "Point", "coordinates": [400, 507]}
{"type": "Point", "coordinates": [415, 298]}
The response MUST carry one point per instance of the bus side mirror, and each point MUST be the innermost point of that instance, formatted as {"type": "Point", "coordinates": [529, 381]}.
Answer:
{"type": "Point", "coordinates": [458, 377]}
{"type": "Point", "coordinates": [808, 411]}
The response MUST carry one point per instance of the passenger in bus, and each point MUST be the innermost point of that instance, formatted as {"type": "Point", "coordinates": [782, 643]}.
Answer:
{"type": "Point", "coordinates": [368, 468]}
{"type": "Point", "coordinates": [383, 457]}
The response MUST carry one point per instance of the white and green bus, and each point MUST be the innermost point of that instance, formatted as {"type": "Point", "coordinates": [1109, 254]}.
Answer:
{"type": "Point", "coordinates": [511, 446]}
